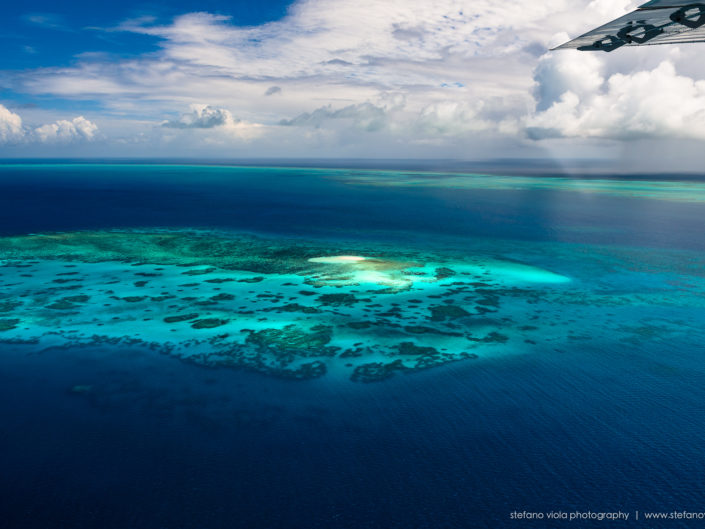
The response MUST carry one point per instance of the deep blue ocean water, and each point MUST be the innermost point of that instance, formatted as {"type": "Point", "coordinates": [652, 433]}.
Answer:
{"type": "Point", "coordinates": [161, 444]}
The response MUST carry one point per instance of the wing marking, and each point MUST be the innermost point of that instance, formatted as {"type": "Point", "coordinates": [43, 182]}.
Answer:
{"type": "Point", "coordinates": [656, 22]}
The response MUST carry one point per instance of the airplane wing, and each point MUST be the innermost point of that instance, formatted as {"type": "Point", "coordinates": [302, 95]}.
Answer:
{"type": "Point", "coordinates": [656, 22]}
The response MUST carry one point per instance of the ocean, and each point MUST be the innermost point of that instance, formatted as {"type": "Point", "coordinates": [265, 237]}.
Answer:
{"type": "Point", "coordinates": [207, 346]}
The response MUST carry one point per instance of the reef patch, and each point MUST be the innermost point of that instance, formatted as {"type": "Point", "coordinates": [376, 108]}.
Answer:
{"type": "Point", "coordinates": [289, 308]}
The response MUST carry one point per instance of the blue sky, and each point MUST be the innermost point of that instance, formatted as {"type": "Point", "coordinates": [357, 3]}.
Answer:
{"type": "Point", "coordinates": [45, 34]}
{"type": "Point", "coordinates": [462, 79]}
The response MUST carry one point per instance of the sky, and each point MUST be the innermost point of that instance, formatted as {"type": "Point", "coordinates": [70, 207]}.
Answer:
{"type": "Point", "coordinates": [448, 79]}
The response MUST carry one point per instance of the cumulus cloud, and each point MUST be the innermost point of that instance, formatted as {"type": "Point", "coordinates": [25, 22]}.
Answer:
{"type": "Point", "coordinates": [203, 117]}
{"type": "Point", "coordinates": [273, 90]}
{"type": "Point", "coordinates": [12, 130]}
{"type": "Point", "coordinates": [78, 128]}
{"type": "Point", "coordinates": [655, 103]}
{"type": "Point", "coordinates": [10, 126]}
{"type": "Point", "coordinates": [560, 72]}
{"type": "Point", "coordinates": [215, 125]}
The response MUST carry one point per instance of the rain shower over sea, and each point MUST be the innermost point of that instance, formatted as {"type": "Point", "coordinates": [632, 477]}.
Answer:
{"type": "Point", "coordinates": [220, 346]}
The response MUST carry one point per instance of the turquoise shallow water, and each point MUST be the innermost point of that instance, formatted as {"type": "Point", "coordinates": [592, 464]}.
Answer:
{"type": "Point", "coordinates": [528, 344]}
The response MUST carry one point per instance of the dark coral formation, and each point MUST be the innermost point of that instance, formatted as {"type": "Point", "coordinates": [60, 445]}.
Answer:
{"type": "Point", "coordinates": [81, 298]}
{"type": "Point", "coordinates": [222, 297]}
{"type": "Point", "coordinates": [493, 337]}
{"type": "Point", "coordinates": [376, 371]}
{"type": "Point", "coordinates": [443, 273]}
{"type": "Point", "coordinates": [9, 306]}
{"type": "Point", "coordinates": [257, 279]}
{"type": "Point", "coordinates": [180, 317]}
{"type": "Point", "coordinates": [411, 349]}
{"type": "Point", "coordinates": [447, 312]}
{"type": "Point", "coordinates": [62, 304]}
{"type": "Point", "coordinates": [337, 299]}
{"type": "Point", "coordinates": [7, 324]}
{"type": "Point", "coordinates": [292, 341]}
{"type": "Point", "coordinates": [199, 271]}
{"type": "Point", "coordinates": [208, 323]}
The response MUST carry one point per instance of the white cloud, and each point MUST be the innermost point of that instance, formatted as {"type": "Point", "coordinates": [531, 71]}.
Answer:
{"type": "Point", "coordinates": [452, 118]}
{"type": "Point", "coordinates": [394, 116]}
{"type": "Point", "coordinates": [656, 103]}
{"type": "Point", "coordinates": [10, 126]}
{"type": "Point", "coordinates": [395, 44]}
{"type": "Point", "coordinates": [78, 128]}
{"type": "Point", "coordinates": [611, 9]}
{"type": "Point", "coordinates": [364, 116]}
{"type": "Point", "coordinates": [12, 131]}
{"type": "Point", "coordinates": [203, 117]}
{"type": "Point", "coordinates": [560, 72]}
{"type": "Point", "coordinates": [213, 126]}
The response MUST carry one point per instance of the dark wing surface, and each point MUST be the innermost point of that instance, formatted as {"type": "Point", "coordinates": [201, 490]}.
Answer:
{"type": "Point", "coordinates": [656, 22]}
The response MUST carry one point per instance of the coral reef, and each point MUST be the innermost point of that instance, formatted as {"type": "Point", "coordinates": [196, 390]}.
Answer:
{"type": "Point", "coordinates": [289, 308]}
{"type": "Point", "coordinates": [376, 371]}
{"type": "Point", "coordinates": [7, 324]}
